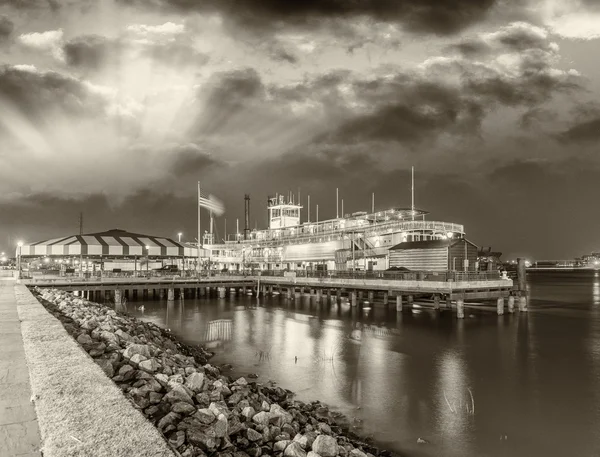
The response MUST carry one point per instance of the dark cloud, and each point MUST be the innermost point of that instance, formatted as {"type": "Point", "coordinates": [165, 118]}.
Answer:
{"type": "Point", "coordinates": [425, 16]}
{"type": "Point", "coordinates": [37, 94]}
{"type": "Point", "coordinates": [537, 117]}
{"type": "Point", "coordinates": [469, 49]}
{"type": "Point", "coordinates": [583, 132]}
{"type": "Point", "coordinates": [190, 159]}
{"type": "Point", "coordinates": [175, 54]}
{"type": "Point", "coordinates": [91, 51]}
{"type": "Point", "coordinates": [228, 94]}
{"type": "Point", "coordinates": [32, 4]}
{"type": "Point", "coordinates": [529, 90]}
{"type": "Point", "coordinates": [516, 37]}
{"type": "Point", "coordinates": [6, 28]}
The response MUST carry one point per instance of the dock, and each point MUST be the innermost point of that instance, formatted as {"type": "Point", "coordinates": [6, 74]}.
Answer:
{"type": "Point", "coordinates": [325, 286]}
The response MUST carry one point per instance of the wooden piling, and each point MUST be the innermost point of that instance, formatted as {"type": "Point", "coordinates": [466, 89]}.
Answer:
{"type": "Point", "coordinates": [398, 302]}
{"type": "Point", "coordinates": [460, 308]}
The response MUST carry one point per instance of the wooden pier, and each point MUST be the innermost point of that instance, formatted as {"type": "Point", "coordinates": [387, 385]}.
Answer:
{"type": "Point", "coordinates": [451, 289]}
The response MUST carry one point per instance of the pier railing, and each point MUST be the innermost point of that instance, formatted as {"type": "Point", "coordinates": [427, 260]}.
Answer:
{"type": "Point", "coordinates": [385, 275]}
{"type": "Point", "coordinates": [444, 276]}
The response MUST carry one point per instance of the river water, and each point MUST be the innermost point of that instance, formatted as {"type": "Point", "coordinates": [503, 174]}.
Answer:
{"type": "Point", "coordinates": [523, 384]}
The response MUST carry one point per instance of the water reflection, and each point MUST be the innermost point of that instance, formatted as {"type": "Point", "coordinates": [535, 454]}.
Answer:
{"type": "Point", "coordinates": [513, 385]}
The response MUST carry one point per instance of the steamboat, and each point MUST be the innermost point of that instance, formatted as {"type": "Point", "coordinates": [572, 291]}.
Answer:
{"type": "Point", "coordinates": [357, 241]}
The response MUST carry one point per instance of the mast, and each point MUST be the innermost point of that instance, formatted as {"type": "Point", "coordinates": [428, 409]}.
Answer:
{"type": "Point", "coordinates": [373, 203]}
{"type": "Point", "coordinates": [342, 207]}
{"type": "Point", "coordinates": [337, 200]}
{"type": "Point", "coordinates": [199, 234]}
{"type": "Point", "coordinates": [81, 248]}
{"type": "Point", "coordinates": [412, 206]}
{"type": "Point", "coordinates": [308, 209]}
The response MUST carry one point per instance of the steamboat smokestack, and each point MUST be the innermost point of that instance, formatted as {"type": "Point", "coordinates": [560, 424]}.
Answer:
{"type": "Point", "coordinates": [246, 215]}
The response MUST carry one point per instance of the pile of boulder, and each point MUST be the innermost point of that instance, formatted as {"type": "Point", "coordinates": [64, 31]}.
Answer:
{"type": "Point", "coordinates": [200, 411]}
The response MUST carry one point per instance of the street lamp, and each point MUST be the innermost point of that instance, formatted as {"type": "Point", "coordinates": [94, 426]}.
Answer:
{"type": "Point", "coordinates": [20, 245]}
{"type": "Point", "coordinates": [147, 258]}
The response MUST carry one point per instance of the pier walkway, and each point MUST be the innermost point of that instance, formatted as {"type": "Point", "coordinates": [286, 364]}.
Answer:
{"type": "Point", "coordinates": [19, 431]}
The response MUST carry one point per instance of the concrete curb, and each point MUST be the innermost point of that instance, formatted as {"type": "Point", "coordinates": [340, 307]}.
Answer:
{"type": "Point", "coordinates": [81, 412]}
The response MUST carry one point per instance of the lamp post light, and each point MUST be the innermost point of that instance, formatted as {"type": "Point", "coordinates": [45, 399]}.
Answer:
{"type": "Point", "coordinates": [179, 235]}
{"type": "Point", "coordinates": [147, 258]}
{"type": "Point", "coordinates": [19, 245]}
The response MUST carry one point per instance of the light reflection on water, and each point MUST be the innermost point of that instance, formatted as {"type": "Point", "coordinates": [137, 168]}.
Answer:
{"type": "Point", "coordinates": [512, 385]}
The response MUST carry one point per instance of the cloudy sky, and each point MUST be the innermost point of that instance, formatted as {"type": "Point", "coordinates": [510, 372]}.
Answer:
{"type": "Point", "coordinates": [118, 107]}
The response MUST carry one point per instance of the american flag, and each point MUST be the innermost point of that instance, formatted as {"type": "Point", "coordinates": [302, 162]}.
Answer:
{"type": "Point", "coordinates": [211, 203]}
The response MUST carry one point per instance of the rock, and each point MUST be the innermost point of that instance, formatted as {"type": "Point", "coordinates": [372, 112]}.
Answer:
{"type": "Point", "coordinates": [294, 450]}
{"type": "Point", "coordinates": [254, 451]}
{"type": "Point", "coordinates": [154, 397]}
{"type": "Point", "coordinates": [234, 426]}
{"type": "Point", "coordinates": [324, 428]}
{"type": "Point", "coordinates": [253, 435]}
{"type": "Point", "coordinates": [203, 400]}
{"type": "Point", "coordinates": [253, 375]}
{"type": "Point", "coordinates": [302, 441]}
{"type": "Point", "coordinates": [421, 441]}
{"type": "Point", "coordinates": [312, 454]}
{"type": "Point", "coordinates": [262, 418]}
{"type": "Point", "coordinates": [205, 416]}
{"type": "Point", "coordinates": [162, 378]}
{"type": "Point", "coordinates": [248, 413]}
{"type": "Point", "coordinates": [177, 439]}
{"type": "Point", "coordinates": [85, 340]}
{"type": "Point", "coordinates": [169, 419]}
{"type": "Point", "coordinates": [106, 366]}
{"type": "Point", "coordinates": [109, 337]}
{"type": "Point", "coordinates": [279, 416]}
{"type": "Point", "coordinates": [124, 336]}
{"type": "Point", "coordinates": [311, 436]}
{"type": "Point", "coordinates": [205, 439]}
{"type": "Point", "coordinates": [241, 382]}
{"type": "Point", "coordinates": [184, 408]}
{"type": "Point", "coordinates": [219, 408]}
{"type": "Point", "coordinates": [176, 379]}
{"type": "Point", "coordinates": [141, 349]}
{"type": "Point", "coordinates": [265, 406]}
{"type": "Point", "coordinates": [195, 382]}
{"type": "Point", "coordinates": [325, 446]}
{"type": "Point", "coordinates": [235, 398]}
{"type": "Point", "coordinates": [124, 369]}
{"type": "Point", "coordinates": [220, 427]}
{"type": "Point", "coordinates": [280, 446]}
{"type": "Point", "coordinates": [178, 394]}
{"type": "Point", "coordinates": [137, 358]}
{"type": "Point", "coordinates": [357, 453]}
{"type": "Point", "coordinates": [150, 365]}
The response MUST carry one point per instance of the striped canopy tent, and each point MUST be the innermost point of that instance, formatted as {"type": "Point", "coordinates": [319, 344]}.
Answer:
{"type": "Point", "coordinates": [114, 243]}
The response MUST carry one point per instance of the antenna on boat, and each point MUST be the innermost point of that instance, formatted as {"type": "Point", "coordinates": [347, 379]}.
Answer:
{"type": "Point", "coordinates": [308, 209]}
{"type": "Point", "coordinates": [412, 207]}
{"type": "Point", "coordinates": [342, 207]}
{"type": "Point", "coordinates": [373, 203]}
{"type": "Point", "coordinates": [337, 200]}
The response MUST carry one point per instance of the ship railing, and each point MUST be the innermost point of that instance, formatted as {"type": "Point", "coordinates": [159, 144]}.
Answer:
{"type": "Point", "coordinates": [428, 275]}
{"type": "Point", "coordinates": [367, 229]}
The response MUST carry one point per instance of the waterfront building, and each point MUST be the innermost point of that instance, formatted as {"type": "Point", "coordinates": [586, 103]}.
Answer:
{"type": "Point", "coordinates": [114, 250]}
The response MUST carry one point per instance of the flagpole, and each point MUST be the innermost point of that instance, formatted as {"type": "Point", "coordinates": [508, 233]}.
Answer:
{"type": "Point", "coordinates": [199, 238]}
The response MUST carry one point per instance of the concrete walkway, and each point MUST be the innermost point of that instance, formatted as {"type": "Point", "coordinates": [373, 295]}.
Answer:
{"type": "Point", "coordinates": [19, 431]}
